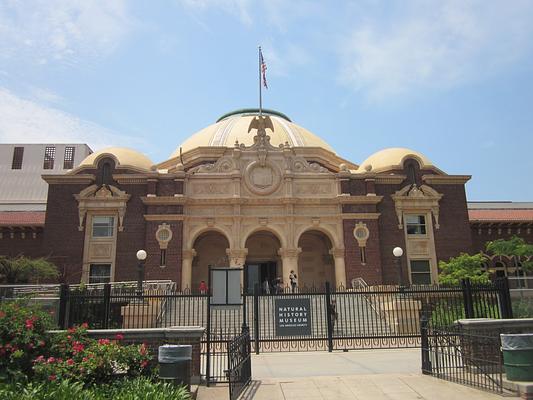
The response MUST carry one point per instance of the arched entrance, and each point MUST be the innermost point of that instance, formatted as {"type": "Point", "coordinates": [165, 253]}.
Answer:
{"type": "Point", "coordinates": [262, 261]}
{"type": "Point", "coordinates": [315, 263]}
{"type": "Point", "coordinates": [210, 250]}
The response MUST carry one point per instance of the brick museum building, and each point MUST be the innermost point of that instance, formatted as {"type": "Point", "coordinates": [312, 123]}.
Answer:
{"type": "Point", "coordinates": [258, 192]}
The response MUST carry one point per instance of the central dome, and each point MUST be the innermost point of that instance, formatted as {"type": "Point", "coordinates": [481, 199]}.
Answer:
{"type": "Point", "coordinates": [233, 126]}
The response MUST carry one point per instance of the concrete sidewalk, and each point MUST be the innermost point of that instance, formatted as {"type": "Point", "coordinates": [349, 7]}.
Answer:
{"type": "Point", "coordinates": [359, 375]}
{"type": "Point", "coordinates": [353, 387]}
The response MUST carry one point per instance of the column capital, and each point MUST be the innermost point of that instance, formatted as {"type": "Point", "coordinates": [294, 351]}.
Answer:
{"type": "Point", "coordinates": [286, 252]}
{"type": "Point", "coordinates": [337, 252]}
{"type": "Point", "coordinates": [237, 257]}
{"type": "Point", "coordinates": [188, 254]}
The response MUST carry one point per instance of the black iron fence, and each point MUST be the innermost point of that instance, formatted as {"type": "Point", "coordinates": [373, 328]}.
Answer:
{"type": "Point", "coordinates": [335, 319]}
{"type": "Point", "coordinates": [466, 357]}
{"type": "Point", "coordinates": [239, 370]}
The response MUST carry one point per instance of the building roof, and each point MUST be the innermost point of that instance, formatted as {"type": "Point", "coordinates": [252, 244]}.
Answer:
{"type": "Point", "coordinates": [392, 158]}
{"type": "Point", "coordinates": [500, 211]}
{"type": "Point", "coordinates": [234, 126]}
{"type": "Point", "coordinates": [22, 218]}
{"type": "Point", "coordinates": [124, 156]}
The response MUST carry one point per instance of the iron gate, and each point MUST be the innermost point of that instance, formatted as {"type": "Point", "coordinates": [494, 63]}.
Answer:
{"type": "Point", "coordinates": [369, 317]}
{"type": "Point", "coordinates": [239, 371]}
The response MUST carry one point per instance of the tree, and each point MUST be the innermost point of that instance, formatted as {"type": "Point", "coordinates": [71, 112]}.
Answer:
{"type": "Point", "coordinates": [516, 248]}
{"type": "Point", "coordinates": [462, 267]}
{"type": "Point", "coordinates": [22, 269]}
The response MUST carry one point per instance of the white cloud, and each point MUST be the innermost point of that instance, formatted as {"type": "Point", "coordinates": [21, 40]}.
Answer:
{"type": "Point", "coordinates": [43, 31]}
{"type": "Point", "coordinates": [26, 121]}
{"type": "Point", "coordinates": [238, 8]}
{"type": "Point", "coordinates": [435, 45]}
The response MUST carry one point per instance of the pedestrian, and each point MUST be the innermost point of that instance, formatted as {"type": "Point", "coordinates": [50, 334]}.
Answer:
{"type": "Point", "coordinates": [280, 285]}
{"type": "Point", "coordinates": [333, 313]}
{"type": "Point", "coordinates": [293, 279]}
{"type": "Point", "coordinates": [266, 286]}
{"type": "Point", "coordinates": [203, 287]}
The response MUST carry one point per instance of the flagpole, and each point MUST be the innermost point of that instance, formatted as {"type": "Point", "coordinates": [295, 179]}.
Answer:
{"type": "Point", "coordinates": [260, 94]}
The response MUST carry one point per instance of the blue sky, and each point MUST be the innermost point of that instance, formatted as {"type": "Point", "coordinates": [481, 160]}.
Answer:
{"type": "Point", "coordinates": [451, 79]}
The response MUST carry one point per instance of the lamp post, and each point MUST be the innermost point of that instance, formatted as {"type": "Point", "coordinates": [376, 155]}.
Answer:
{"type": "Point", "coordinates": [398, 253]}
{"type": "Point", "coordinates": [141, 256]}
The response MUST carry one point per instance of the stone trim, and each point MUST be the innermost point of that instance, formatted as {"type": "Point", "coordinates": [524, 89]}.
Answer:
{"type": "Point", "coordinates": [446, 179]}
{"type": "Point", "coordinates": [360, 215]}
{"type": "Point", "coordinates": [164, 217]}
{"type": "Point", "coordinates": [81, 179]}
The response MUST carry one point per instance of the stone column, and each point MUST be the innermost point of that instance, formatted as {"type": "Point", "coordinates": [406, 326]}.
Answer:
{"type": "Point", "coordinates": [340, 269]}
{"type": "Point", "coordinates": [289, 261]}
{"type": "Point", "coordinates": [186, 268]}
{"type": "Point", "coordinates": [237, 259]}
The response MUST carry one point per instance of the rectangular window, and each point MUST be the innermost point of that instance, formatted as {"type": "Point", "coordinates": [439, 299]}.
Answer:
{"type": "Point", "coordinates": [420, 272]}
{"type": "Point", "coordinates": [163, 258]}
{"type": "Point", "coordinates": [415, 224]}
{"type": "Point", "coordinates": [100, 273]}
{"type": "Point", "coordinates": [68, 161]}
{"type": "Point", "coordinates": [49, 157]}
{"type": "Point", "coordinates": [18, 155]}
{"type": "Point", "coordinates": [103, 226]}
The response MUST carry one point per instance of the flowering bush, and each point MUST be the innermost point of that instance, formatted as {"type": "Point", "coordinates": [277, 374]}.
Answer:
{"type": "Point", "coordinates": [75, 356]}
{"type": "Point", "coordinates": [22, 338]}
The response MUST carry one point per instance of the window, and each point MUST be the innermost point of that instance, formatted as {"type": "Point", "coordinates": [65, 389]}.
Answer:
{"type": "Point", "coordinates": [18, 155]}
{"type": "Point", "coordinates": [103, 226]}
{"type": "Point", "coordinates": [49, 157]}
{"type": "Point", "coordinates": [420, 272]}
{"type": "Point", "coordinates": [415, 224]}
{"type": "Point", "coordinates": [100, 273]}
{"type": "Point", "coordinates": [68, 160]}
{"type": "Point", "coordinates": [163, 258]}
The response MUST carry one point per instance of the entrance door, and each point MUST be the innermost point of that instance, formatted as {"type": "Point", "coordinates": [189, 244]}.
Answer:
{"type": "Point", "coordinates": [258, 273]}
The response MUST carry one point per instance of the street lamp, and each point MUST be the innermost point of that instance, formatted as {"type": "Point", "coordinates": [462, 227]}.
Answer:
{"type": "Point", "coordinates": [141, 256]}
{"type": "Point", "coordinates": [398, 253]}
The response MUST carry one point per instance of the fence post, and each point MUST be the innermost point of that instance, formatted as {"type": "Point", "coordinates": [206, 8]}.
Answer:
{"type": "Point", "coordinates": [506, 305]}
{"type": "Point", "coordinates": [256, 317]}
{"type": "Point", "coordinates": [329, 317]}
{"type": "Point", "coordinates": [467, 298]}
{"type": "Point", "coordinates": [107, 305]}
{"type": "Point", "coordinates": [62, 319]}
{"type": "Point", "coordinates": [424, 344]}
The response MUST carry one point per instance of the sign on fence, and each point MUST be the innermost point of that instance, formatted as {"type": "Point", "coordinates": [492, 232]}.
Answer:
{"type": "Point", "coordinates": [293, 317]}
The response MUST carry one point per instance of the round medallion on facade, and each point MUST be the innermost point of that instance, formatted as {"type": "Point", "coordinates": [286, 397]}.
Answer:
{"type": "Point", "coordinates": [262, 178]}
{"type": "Point", "coordinates": [361, 233]}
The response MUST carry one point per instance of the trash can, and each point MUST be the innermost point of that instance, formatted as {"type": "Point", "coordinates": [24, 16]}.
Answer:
{"type": "Point", "coordinates": [175, 364]}
{"type": "Point", "coordinates": [518, 356]}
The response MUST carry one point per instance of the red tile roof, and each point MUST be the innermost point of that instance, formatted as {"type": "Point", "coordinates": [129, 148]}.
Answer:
{"type": "Point", "coordinates": [22, 218]}
{"type": "Point", "coordinates": [501, 215]}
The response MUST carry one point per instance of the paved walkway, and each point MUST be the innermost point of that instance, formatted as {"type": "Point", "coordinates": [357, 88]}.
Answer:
{"type": "Point", "coordinates": [358, 375]}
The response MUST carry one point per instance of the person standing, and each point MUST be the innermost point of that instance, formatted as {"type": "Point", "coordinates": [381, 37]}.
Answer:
{"type": "Point", "coordinates": [266, 286]}
{"type": "Point", "coordinates": [203, 287]}
{"type": "Point", "coordinates": [333, 313]}
{"type": "Point", "coordinates": [293, 280]}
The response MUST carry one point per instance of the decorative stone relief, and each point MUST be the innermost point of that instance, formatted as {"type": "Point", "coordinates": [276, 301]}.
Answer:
{"type": "Point", "coordinates": [361, 233]}
{"type": "Point", "coordinates": [262, 179]}
{"type": "Point", "coordinates": [163, 235]}
{"type": "Point", "coordinates": [237, 257]}
{"type": "Point", "coordinates": [100, 250]}
{"type": "Point", "coordinates": [210, 188]}
{"type": "Point", "coordinates": [416, 199]}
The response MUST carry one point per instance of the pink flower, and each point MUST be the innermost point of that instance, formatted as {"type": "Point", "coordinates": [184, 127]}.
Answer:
{"type": "Point", "coordinates": [85, 325]}
{"type": "Point", "coordinates": [52, 378]}
{"type": "Point", "coordinates": [77, 347]}
{"type": "Point", "coordinates": [39, 359]}
{"type": "Point", "coordinates": [51, 360]}
{"type": "Point", "coordinates": [29, 323]}
{"type": "Point", "coordinates": [142, 350]}
{"type": "Point", "coordinates": [144, 364]}
{"type": "Point", "coordinates": [103, 341]}
{"type": "Point", "coordinates": [70, 361]}
{"type": "Point", "coordinates": [119, 336]}
{"type": "Point", "coordinates": [41, 343]}
{"type": "Point", "coordinates": [84, 359]}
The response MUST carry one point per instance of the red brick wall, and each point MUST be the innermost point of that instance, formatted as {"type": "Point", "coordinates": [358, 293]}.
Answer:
{"type": "Point", "coordinates": [27, 246]}
{"type": "Point", "coordinates": [172, 270]}
{"type": "Point", "coordinates": [63, 242]}
{"type": "Point", "coordinates": [479, 240]}
{"type": "Point", "coordinates": [390, 235]}
{"type": "Point", "coordinates": [454, 235]}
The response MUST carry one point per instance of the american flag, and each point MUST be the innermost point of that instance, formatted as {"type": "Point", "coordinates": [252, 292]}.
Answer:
{"type": "Point", "coordinates": [263, 68]}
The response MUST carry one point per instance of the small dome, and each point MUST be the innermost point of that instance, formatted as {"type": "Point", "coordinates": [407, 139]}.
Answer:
{"type": "Point", "coordinates": [392, 158]}
{"type": "Point", "coordinates": [233, 127]}
{"type": "Point", "coordinates": [125, 158]}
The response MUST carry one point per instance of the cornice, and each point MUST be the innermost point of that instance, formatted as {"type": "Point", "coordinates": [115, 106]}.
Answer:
{"type": "Point", "coordinates": [132, 178]}
{"type": "Point", "coordinates": [360, 215]}
{"type": "Point", "coordinates": [69, 179]}
{"type": "Point", "coordinates": [164, 217]}
{"type": "Point", "coordinates": [446, 179]}
{"type": "Point", "coordinates": [347, 199]}
{"type": "Point", "coordinates": [163, 200]}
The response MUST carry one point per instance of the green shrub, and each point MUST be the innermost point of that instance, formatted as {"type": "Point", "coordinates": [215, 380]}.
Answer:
{"type": "Point", "coordinates": [523, 307]}
{"type": "Point", "coordinates": [22, 338]}
{"type": "Point", "coordinates": [125, 389]}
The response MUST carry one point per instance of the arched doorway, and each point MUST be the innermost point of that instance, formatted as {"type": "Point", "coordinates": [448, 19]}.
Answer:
{"type": "Point", "coordinates": [315, 263]}
{"type": "Point", "coordinates": [262, 261]}
{"type": "Point", "coordinates": [210, 249]}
